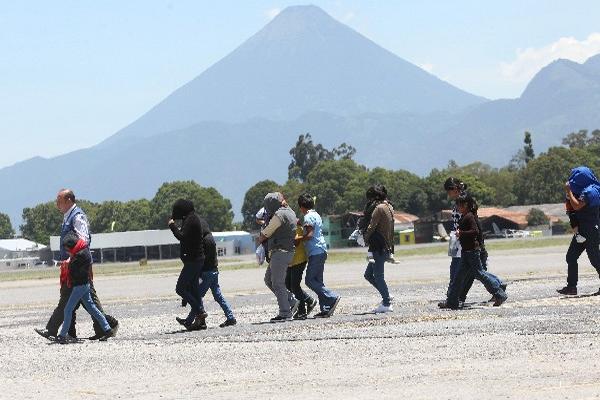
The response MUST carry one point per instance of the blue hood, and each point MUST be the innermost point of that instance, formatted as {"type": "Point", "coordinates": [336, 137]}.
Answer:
{"type": "Point", "coordinates": [581, 178]}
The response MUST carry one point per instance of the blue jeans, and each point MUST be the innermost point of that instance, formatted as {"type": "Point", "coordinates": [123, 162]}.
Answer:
{"type": "Point", "coordinates": [470, 263]}
{"type": "Point", "coordinates": [81, 293]}
{"type": "Point", "coordinates": [454, 267]}
{"type": "Point", "coordinates": [375, 275]}
{"type": "Point", "coordinates": [314, 280]}
{"type": "Point", "coordinates": [210, 280]}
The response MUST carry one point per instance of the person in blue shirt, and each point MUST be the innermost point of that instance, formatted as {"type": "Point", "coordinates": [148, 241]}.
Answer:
{"type": "Point", "coordinates": [316, 250]}
{"type": "Point", "coordinates": [583, 193]}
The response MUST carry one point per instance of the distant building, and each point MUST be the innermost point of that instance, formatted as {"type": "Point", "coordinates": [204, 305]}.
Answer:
{"type": "Point", "coordinates": [155, 245]}
{"type": "Point", "coordinates": [19, 252]}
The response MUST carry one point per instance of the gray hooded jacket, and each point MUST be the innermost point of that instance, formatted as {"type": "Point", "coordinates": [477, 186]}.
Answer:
{"type": "Point", "coordinates": [283, 238]}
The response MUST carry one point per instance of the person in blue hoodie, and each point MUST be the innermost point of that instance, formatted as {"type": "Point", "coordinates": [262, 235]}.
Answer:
{"type": "Point", "coordinates": [583, 193]}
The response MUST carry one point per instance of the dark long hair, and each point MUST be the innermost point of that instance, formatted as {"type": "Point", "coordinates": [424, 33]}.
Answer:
{"type": "Point", "coordinates": [469, 201]}
{"type": "Point", "coordinates": [453, 183]}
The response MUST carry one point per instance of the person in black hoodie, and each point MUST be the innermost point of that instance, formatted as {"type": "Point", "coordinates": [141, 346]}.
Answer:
{"type": "Point", "coordinates": [191, 239]}
{"type": "Point", "coordinates": [79, 272]}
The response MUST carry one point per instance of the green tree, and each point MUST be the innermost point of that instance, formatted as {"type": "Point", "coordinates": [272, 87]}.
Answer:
{"type": "Point", "coordinates": [536, 217]}
{"type": "Point", "coordinates": [543, 179]}
{"type": "Point", "coordinates": [328, 181]}
{"type": "Point", "coordinates": [208, 203]}
{"type": "Point", "coordinates": [305, 156]}
{"type": "Point", "coordinates": [576, 139]}
{"type": "Point", "coordinates": [528, 148]}
{"type": "Point", "coordinates": [253, 201]}
{"type": "Point", "coordinates": [6, 229]}
{"type": "Point", "coordinates": [41, 222]}
{"type": "Point", "coordinates": [116, 216]}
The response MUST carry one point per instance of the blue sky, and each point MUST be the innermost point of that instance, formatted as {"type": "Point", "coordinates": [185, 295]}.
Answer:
{"type": "Point", "coordinates": [73, 73]}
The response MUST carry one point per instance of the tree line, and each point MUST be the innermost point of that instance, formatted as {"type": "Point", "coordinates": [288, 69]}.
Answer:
{"type": "Point", "coordinates": [44, 220]}
{"type": "Point", "coordinates": [339, 182]}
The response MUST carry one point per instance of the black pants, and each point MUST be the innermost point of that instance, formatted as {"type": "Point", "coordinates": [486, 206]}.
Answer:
{"type": "Point", "coordinates": [575, 249]}
{"type": "Point", "coordinates": [293, 279]}
{"type": "Point", "coordinates": [188, 285]}
{"type": "Point", "coordinates": [56, 319]}
{"type": "Point", "coordinates": [470, 276]}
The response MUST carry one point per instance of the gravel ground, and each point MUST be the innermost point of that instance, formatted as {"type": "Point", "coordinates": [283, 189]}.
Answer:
{"type": "Point", "coordinates": [536, 346]}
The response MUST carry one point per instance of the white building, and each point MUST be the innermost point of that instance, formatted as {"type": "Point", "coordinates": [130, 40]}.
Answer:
{"type": "Point", "coordinates": [19, 252]}
{"type": "Point", "coordinates": [155, 245]}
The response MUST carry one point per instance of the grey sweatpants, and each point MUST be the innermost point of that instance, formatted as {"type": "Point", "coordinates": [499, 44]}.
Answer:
{"type": "Point", "coordinates": [275, 280]}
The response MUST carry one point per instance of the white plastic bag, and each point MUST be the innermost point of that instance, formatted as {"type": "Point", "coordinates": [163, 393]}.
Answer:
{"type": "Point", "coordinates": [454, 245]}
{"type": "Point", "coordinates": [357, 235]}
{"type": "Point", "coordinates": [260, 254]}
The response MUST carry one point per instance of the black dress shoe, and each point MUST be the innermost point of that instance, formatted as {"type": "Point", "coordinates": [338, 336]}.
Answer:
{"type": "Point", "coordinates": [97, 336]}
{"type": "Point", "coordinates": [183, 322]}
{"type": "Point", "coordinates": [280, 318]}
{"type": "Point", "coordinates": [568, 290]}
{"type": "Point", "coordinates": [44, 333]}
{"type": "Point", "coordinates": [228, 322]}
{"type": "Point", "coordinates": [444, 305]}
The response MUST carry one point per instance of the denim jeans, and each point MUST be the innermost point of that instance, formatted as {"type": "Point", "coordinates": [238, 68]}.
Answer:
{"type": "Point", "coordinates": [210, 280]}
{"type": "Point", "coordinates": [454, 267]}
{"type": "Point", "coordinates": [374, 274]}
{"type": "Point", "coordinates": [470, 262]}
{"type": "Point", "coordinates": [187, 284]}
{"type": "Point", "coordinates": [470, 278]}
{"type": "Point", "coordinates": [576, 249]}
{"type": "Point", "coordinates": [81, 293]}
{"type": "Point", "coordinates": [314, 280]}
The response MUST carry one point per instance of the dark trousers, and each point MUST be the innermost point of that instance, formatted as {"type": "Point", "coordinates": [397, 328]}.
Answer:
{"type": "Point", "coordinates": [470, 278]}
{"type": "Point", "coordinates": [470, 262]}
{"type": "Point", "coordinates": [293, 279]}
{"type": "Point", "coordinates": [188, 286]}
{"type": "Point", "coordinates": [57, 317]}
{"type": "Point", "coordinates": [575, 249]}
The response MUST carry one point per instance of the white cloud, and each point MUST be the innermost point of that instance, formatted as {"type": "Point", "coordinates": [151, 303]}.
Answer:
{"type": "Point", "coordinates": [272, 13]}
{"type": "Point", "coordinates": [529, 61]}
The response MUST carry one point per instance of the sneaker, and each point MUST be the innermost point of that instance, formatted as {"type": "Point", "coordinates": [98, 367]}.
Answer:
{"type": "Point", "coordinates": [44, 333]}
{"type": "Point", "coordinates": [65, 339]}
{"type": "Point", "coordinates": [568, 290]}
{"type": "Point", "coordinates": [115, 328]}
{"type": "Point", "coordinates": [310, 305]}
{"type": "Point", "coordinates": [294, 308]}
{"type": "Point", "coordinates": [498, 300]}
{"type": "Point", "coordinates": [228, 322]}
{"type": "Point", "coordinates": [332, 308]}
{"type": "Point", "coordinates": [322, 314]}
{"type": "Point", "coordinates": [281, 318]}
{"type": "Point", "coordinates": [580, 239]}
{"type": "Point", "coordinates": [300, 317]}
{"type": "Point", "coordinates": [380, 309]}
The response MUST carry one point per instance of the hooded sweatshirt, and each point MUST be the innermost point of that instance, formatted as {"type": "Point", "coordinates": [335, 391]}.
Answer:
{"type": "Point", "coordinates": [191, 235]}
{"type": "Point", "coordinates": [586, 187]}
{"type": "Point", "coordinates": [283, 220]}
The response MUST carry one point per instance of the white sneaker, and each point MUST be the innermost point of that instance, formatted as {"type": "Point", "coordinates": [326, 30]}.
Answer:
{"type": "Point", "coordinates": [579, 238]}
{"type": "Point", "coordinates": [383, 309]}
{"type": "Point", "coordinates": [391, 259]}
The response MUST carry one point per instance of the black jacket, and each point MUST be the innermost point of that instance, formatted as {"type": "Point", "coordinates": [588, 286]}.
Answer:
{"type": "Point", "coordinates": [79, 267]}
{"type": "Point", "coordinates": [191, 238]}
{"type": "Point", "coordinates": [210, 247]}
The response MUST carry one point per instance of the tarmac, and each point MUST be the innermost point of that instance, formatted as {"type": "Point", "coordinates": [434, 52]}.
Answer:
{"type": "Point", "coordinates": [538, 345]}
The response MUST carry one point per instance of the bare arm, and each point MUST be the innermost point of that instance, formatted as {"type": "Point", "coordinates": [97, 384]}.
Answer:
{"type": "Point", "coordinates": [575, 203]}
